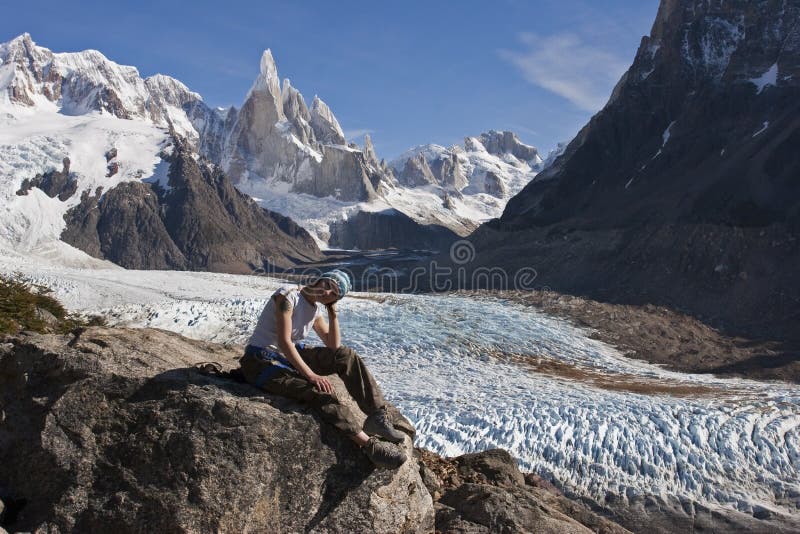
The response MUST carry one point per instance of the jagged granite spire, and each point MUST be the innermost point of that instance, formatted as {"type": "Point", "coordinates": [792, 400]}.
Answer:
{"type": "Point", "coordinates": [369, 152]}
{"type": "Point", "coordinates": [296, 111]}
{"type": "Point", "coordinates": [325, 125]}
{"type": "Point", "coordinates": [268, 81]}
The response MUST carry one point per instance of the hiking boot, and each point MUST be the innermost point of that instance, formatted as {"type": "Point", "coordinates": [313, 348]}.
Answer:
{"type": "Point", "coordinates": [384, 454]}
{"type": "Point", "coordinates": [378, 424]}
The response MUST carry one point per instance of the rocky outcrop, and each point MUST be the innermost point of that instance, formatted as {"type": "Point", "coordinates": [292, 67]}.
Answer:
{"type": "Point", "coordinates": [109, 429]}
{"type": "Point", "coordinates": [342, 173]}
{"type": "Point", "coordinates": [486, 492]}
{"type": "Point", "coordinates": [123, 226]}
{"type": "Point", "coordinates": [416, 172]}
{"type": "Point", "coordinates": [499, 143]}
{"type": "Point", "coordinates": [112, 429]}
{"type": "Point", "coordinates": [683, 190]}
{"type": "Point", "coordinates": [297, 112]}
{"type": "Point", "coordinates": [449, 171]}
{"type": "Point", "coordinates": [54, 183]}
{"type": "Point", "coordinates": [493, 185]}
{"type": "Point", "coordinates": [370, 156]}
{"type": "Point", "coordinates": [196, 220]}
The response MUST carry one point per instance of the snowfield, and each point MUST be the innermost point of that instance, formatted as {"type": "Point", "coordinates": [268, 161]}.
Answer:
{"type": "Point", "coordinates": [33, 142]}
{"type": "Point", "coordinates": [723, 442]}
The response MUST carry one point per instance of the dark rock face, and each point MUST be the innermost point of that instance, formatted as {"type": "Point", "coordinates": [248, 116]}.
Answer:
{"type": "Point", "coordinates": [114, 429]}
{"type": "Point", "coordinates": [200, 223]}
{"type": "Point", "coordinates": [53, 183]}
{"type": "Point", "coordinates": [124, 226]}
{"type": "Point", "coordinates": [372, 230]}
{"type": "Point", "coordinates": [685, 189]}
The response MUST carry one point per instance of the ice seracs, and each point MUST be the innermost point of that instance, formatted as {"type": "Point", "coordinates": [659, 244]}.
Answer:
{"type": "Point", "coordinates": [732, 445]}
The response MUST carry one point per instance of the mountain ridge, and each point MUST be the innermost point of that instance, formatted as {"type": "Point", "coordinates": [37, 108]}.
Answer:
{"type": "Point", "coordinates": [275, 147]}
{"type": "Point", "coordinates": [683, 190]}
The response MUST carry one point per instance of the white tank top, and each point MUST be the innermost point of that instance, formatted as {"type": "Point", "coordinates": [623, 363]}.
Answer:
{"type": "Point", "coordinates": [304, 314]}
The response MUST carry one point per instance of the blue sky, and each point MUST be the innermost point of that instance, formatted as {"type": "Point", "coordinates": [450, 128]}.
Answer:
{"type": "Point", "coordinates": [408, 73]}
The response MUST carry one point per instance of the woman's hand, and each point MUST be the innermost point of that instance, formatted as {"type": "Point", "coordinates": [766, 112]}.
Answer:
{"type": "Point", "coordinates": [321, 383]}
{"type": "Point", "coordinates": [331, 309]}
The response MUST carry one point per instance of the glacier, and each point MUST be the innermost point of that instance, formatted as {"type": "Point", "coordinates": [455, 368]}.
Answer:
{"type": "Point", "coordinates": [458, 367]}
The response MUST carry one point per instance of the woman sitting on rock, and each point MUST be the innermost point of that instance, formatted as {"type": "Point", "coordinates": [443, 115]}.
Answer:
{"type": "Point", "coordinates": [276, 361]}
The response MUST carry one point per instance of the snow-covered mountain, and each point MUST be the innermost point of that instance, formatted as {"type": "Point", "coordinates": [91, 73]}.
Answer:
{"type": "Point", "coordinates": [290, 157]}
{"type": "Point", "coordinates": [496, 164]}
{"type": "Point", "coordinates": [296, 161]}
{"type": "Point", "coordinates": [83, 82]}
{"type": "Point", "coordinates": [75, 127]}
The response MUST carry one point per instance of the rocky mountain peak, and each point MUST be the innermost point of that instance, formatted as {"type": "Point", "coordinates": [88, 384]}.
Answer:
{"type": "Point", "coordinates": [171, 89]}
{"type": "Point", "coordinates": [369, 151]}
{"type": "Point", "coordinates": [20, 45]}
{"type": "Point", "coordinates": [499, 143]}
{"type": "Point", "coordinates": [296, 111]}
{"type": "Point", "coordinates": [417, 172]}
{"type": "Point", "coordinates": [472, 144]}
{"type": "Point", "coordinates": [687, 166]}
{"type": "Point", "coordinates": [325, 125]}
{"type": "Point", "coordinates": [494, 163]}
{"type": "Point", "coordinates": [25, 72]}
{"type": "Point", "coordinates": [81, 82]}
{"type": "Point", "coordinates": [724, 43]}
{"type": "Point", "coordinates": [267, 79]}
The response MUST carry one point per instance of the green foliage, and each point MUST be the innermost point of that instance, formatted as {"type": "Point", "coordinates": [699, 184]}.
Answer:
{"type": "Point", "coordinates": [28, 306]}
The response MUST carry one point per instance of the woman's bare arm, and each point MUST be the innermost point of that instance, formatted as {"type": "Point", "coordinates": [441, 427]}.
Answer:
{"type": "Point", "coordinates": [328, 331]}
{"type": "Point", "coordinates": [334, 335]}
{"type": "Point", "coordinates": [283, 321]}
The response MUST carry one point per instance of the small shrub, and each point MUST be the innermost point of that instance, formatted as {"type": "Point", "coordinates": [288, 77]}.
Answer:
{"type": "Point", "coordinates": [28, 306]}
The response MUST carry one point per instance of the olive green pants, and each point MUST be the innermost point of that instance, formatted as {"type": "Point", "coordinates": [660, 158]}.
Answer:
{"type": "Point", "coordinates": [262, 371]}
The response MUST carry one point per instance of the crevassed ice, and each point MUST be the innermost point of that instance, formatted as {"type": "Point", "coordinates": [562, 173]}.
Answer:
{"type": "Point", "coordinates": [739, 447]}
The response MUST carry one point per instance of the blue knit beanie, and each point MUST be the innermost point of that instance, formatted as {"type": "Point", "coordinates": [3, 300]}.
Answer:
{"type": "Point", "coordinates": [342, 280]}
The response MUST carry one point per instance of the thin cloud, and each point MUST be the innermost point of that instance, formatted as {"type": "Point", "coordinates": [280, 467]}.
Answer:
{"type": "Point", "coordinates": [352, 135]}
{"type": "Point", "coordinates": [565, 65]}
{"type": "Point", "coordinates": [518, 128]}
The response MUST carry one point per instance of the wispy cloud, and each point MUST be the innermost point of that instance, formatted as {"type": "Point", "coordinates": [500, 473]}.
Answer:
{"type": "Point", "coordinates": [352, 135]}
{"type": "Point", "coordinates": [518, 128]}
{"type": "Point", "coordinates": [565, 65]}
